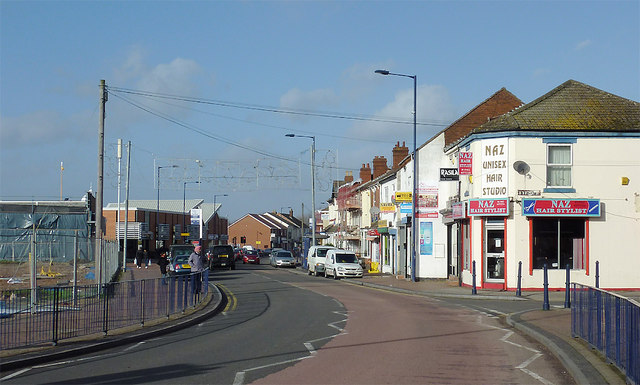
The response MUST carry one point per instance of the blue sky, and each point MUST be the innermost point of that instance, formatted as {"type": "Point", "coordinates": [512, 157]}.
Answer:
{"type": "Point", "coordinates": [257, 70]}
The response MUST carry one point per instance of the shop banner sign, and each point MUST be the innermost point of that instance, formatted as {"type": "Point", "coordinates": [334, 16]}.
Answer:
{"type": "Point", "coordinates": [387, 208]}
{"type": "Point", "coordinates": [405, 208]}
{"type": "Point", "coordinates": [449, 174]}
{"type": "Point", "coordinates": [404, 196]}
{"type": "Point", "coordinates": [561, 207]}
{"type": "Point", "coordinates": [488, 207]}
{"type": "Point", "coordinates": [465, 163]}
{"type": "Point", "coordinates": [457, 210]}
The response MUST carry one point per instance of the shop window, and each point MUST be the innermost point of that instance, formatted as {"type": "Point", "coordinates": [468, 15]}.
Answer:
{"type": "Point", "coordinates": [558, 242]}
{"type": "Point", "coordinates": [559, 165]}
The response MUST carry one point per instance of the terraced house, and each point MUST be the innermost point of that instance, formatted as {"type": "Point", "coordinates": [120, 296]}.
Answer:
{"type": "Point", "coordinates": [509, 188]}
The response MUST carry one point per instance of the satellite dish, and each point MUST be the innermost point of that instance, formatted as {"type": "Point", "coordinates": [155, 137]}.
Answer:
{"type": "Point", "coordinates": [521, 167]}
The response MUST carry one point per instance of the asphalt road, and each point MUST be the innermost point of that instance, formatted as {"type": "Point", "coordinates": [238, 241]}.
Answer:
{"type": "Point", "coordinates": [281, 327]}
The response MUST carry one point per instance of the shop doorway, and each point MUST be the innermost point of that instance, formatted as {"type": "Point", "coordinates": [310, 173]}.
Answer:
{"type": "Point", "coordinates": [494, 250]}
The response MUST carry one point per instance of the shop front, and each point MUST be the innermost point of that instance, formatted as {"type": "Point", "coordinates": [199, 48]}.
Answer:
{"type": "Point", "coordinates": [559, 233]}
{"type": "Point", "coordinates": [492, 214]}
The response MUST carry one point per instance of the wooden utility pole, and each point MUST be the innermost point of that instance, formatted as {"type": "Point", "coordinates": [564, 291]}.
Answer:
{"type": "Point", "coordinates": [98, 247]}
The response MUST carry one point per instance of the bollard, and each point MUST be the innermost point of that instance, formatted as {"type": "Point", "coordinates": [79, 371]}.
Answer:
{"type": "Point", "coordinates": [545, 303]}
{"type": "Point", "coordinates": [473, 274]}
{"type": "Point", "coordinates": [567, 300]}
{"type": "Point", "coordinates": [519, 289]}
{"type": "Point", "coordinates": [597, 274]}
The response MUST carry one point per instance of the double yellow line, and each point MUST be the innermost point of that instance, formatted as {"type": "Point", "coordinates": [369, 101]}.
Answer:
{"type": "Point", "coordinates": [232, 301]}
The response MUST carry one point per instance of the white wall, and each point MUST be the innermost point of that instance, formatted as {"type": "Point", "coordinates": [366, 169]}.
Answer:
{"type": "Point", "coordinates": [614, 238]}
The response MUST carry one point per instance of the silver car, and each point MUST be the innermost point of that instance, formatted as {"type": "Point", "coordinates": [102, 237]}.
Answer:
{"type": "Point", "coordinates": [283, 258]}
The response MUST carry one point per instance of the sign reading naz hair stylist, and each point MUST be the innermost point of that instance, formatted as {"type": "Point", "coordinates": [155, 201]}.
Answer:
{"type": "Point", "coordinates": [561, 207]}
{"type": "Point", "coordinates": [494, 168]}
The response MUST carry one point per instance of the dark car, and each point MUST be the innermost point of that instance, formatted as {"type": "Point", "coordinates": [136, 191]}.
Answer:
{"type": "Point", "coordinates": [221, 257]}
{"type": "Point", "coordinates": [251, 256]}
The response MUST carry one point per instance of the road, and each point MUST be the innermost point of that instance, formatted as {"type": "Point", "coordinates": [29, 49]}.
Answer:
{"type": "Point", "coordinates": [284, 327]}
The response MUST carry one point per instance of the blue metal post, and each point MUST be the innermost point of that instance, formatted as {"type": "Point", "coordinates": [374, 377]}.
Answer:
{"type": "Point", "coordinates": [473, 290]}
{"type": "Point", "coordinates": [598, 274]}
{"type": "Point", "coordinates": [519, 289]}
{"type": "Point", "coordinates": [567, 299]}
{"type": "Point", "coordinates": [545, 303]}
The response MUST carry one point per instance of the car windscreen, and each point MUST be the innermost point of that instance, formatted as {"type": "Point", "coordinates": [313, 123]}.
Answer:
{"type": "Point", "coordinates": [284, 254]}
{"type": "Point", "coordinates": [346, 258]}
{"type": "Point", "coordinates": [322, 252]}
{"type": "Point", "coordinates": [182, 251]}
{"type": "Point", "coordinates": [181, 259]}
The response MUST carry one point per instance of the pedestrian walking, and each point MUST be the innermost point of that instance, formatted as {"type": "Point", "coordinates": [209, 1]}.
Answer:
{"type": "Point", "coordinates": [163, 262]}
{"type": "Point", "coordinates": [196, 261]}
{"type": "Point", "coordinates": [147, 260]}
{"type": "Point", "coordinates": [139, 257]}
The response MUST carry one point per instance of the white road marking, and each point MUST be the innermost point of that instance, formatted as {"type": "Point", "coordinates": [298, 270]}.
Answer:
{"type": "Point", "coordinates": [19, 372]}
{"type": "Point", "coordinates": [239, 378]}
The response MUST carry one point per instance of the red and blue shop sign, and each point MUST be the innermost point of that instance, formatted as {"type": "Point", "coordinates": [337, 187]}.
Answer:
{"type": "Point", "coordinates": [488, 207]}
{"type": "Point", "coordinates": [561, 207]}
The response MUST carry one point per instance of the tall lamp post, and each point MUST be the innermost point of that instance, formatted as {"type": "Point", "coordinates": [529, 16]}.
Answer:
{"type": "Point", "coordinates": [414, 193]}
{"type": "Point", "coordinates": [158, 206]}
{"type": "Point", "coordinates": [313, 185]}
{"type": "Point", "coordinates": [215, 210]}
{"type": "Point", "coordinates": [184, 200]}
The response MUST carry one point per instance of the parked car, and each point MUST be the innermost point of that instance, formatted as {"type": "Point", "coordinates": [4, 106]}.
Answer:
{"type": "Point", "coordinates": [342, 263]}
{"type": "Point", "coordinates": [221, 256]}
{"type": "Point", "coordinates": [316, 259]}
{"type": "Point", "coordinates": [179, 265]}
{"type": "Point", "coordinates": [176, 250]}
{"type": "Point", "coordinates": [251, 256]}
{"type": "Point", "coordinates": [283, 258]}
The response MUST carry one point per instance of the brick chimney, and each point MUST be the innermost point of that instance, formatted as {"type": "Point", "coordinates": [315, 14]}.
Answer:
{"type": "Point", "coordinates": [348, 178]}
{"type": "Point", "coordinates": [365, 173]}
{"type": "Point", "coordinates": [379, 166]}
{"type": "Point", "coordinates": [399, 153]}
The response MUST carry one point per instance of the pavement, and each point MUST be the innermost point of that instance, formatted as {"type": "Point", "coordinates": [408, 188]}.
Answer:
{"type": "Point", "coordinates": [551, 328]}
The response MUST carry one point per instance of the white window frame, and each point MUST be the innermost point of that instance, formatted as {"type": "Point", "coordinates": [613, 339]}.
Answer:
{"type": "Point", "coordinates": [551, 166]}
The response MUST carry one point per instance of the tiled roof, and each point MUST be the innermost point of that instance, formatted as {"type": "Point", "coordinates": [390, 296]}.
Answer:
{"type": "Point", "coordinates": [569, 107]}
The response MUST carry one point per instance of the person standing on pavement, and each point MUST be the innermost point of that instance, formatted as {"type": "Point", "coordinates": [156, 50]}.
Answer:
{"type": "Point", "coordinates": [139, 257]}
{"type": "Point", "coordinates": [196, 261]}
{"type": "Point", "coordinates": [163, 262]}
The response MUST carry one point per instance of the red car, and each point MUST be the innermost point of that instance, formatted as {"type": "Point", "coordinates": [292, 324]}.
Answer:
{"type": "Point", "coordinates": [251, 256]}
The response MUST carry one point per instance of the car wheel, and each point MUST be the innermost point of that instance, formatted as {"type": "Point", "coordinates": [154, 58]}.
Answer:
{"type": "Point", "coordinates": [335, 275]}
{"type": "Point", "coordinates": [309, 272]}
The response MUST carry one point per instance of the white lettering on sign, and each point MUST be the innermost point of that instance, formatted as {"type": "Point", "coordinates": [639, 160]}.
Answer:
{"type": "Point", "coordinates": [495, 158]}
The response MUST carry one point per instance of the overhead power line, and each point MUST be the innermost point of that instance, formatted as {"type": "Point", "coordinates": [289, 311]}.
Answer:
{"type": "Point", "coordinates": [255, 107]}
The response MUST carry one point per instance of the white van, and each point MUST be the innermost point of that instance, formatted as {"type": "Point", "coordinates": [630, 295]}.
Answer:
{"type": "Point", "coordinates": [342, 263]}
{"type": "Point", "coordinates": [315, 259]}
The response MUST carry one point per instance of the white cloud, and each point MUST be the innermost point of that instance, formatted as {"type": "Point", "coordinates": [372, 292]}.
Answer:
{"type": "Point", "coordinates": [582, 45]}
{"type": "Point", "coordinates": [433, 105]}
{"type": "Point", "coordinates": [297, 99]}
{"type": "Point", "coordinates": [40, 127]}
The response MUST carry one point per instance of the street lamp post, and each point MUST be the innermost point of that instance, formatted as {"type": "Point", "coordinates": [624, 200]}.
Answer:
{"type": "Point", "coordinates": [184, 200]}
{"type": "Point", "coordinates": [313, 185]}
{"type": "Point", "coordinates": [215, 210]}
{"type": "Point", "coordinates": [158, 206]}
{"type": "Point", "coordinates": [414, 193]}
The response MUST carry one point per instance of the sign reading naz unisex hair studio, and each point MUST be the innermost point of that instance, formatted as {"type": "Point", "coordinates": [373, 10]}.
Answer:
{"type": "Point", "coordinates": [561, 207]}
{"type": "Point", "coordinates": [488, 207]}
{"type": "Point", "coordinates": [494, 168]}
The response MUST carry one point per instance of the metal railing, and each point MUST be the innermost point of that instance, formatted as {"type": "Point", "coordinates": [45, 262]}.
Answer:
{"type": "Point", "coordinates": [609, 323]}
{"type": "Point", "coordinates": [62, 313]}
